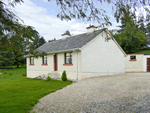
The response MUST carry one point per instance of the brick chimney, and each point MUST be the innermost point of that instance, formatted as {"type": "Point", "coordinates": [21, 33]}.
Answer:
{"type": "Point", "coordinates": [91, 28]}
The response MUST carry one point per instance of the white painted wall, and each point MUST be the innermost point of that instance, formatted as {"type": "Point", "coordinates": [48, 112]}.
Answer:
{"type": "Point", "coordinates": [102, 57]}
{"type": "Point", "coordinates": [70, 69]}
{"type": "Point", "coordinates": [135, 66]}
{"type": "Point", "coordinates": [38, 69]}
{"type": "Point", "coordinates": [89, 30]}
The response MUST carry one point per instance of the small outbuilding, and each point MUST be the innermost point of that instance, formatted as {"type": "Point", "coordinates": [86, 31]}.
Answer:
{"type": "Point", "coordinates": [137, 63]}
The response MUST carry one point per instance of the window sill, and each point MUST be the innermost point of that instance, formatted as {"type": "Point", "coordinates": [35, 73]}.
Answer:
{"type": "Point", "coordinates": [44, 64]}
{"type": "Point", "coordinates": [133, 60]}
{"type": "Point", "coordinates": [31, 64]}
{"type": "Point", "coordinates": [67, 64]}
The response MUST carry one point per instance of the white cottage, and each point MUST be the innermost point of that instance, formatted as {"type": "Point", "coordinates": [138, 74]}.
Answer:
{"type": "Point", "coordinates": [137, 63]}
{"type": "Point", "coordinates": [91, 54]}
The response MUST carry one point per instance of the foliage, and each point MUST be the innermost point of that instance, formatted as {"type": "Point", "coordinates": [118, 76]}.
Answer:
{"type": "Point", "coordinates": [13, 33]}
{"type": "Point", "coordinates": [38, 41]}
{"type": "Point", "coordinates": [64, 76]}
{"type": "Point", "coordinates": [19, 59]}
{"type": "Point", "coordinates": [130, 38]}
{"type": "Point", "coordinates": [20, 94]}
{"type": "Point", "coordinates": [132, 33]}
{"type": "Point", "coordinates": [6, 59]}
{"type": "Point", "coordinates": [48, 78]}
{"type": "Point", "coordinates": [125, 16]}
{"type": "Point", "coordinates": [14, 36]}
{"type": "Point", "coordinates": [81, 9]}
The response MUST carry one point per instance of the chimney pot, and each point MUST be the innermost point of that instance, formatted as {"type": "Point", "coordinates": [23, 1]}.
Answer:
{"type": "Point", "coordinates": [91, 28]}
{"type": "Point", "coordinates": [65, 35]}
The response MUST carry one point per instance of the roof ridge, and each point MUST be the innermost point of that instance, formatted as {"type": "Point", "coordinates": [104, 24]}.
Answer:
{"type": "Point", "coordinates": [75, 41]}
{"type": "Point", "coordinates": [75, 35]}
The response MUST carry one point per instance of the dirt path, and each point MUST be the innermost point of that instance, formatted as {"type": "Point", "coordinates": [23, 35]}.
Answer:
{"type": "Point", "coordinates": [98, 94]}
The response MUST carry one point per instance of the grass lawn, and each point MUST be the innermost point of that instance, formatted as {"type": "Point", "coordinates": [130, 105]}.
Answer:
{"type": "Point", "coordinates": [19, 94]}
{"type": "Point", "coordinates": [144, 51]}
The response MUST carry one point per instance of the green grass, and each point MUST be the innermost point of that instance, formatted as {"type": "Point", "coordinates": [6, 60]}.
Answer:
{"type": "Point", "coordinates": [19, 94]}
{"type": "Point", "coordinates": [144, 51]}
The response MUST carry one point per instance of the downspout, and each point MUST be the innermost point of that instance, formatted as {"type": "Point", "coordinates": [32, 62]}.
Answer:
{"type": "Point", "coordinates": [76, 65]}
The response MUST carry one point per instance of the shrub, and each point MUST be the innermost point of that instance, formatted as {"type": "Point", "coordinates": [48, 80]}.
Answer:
{"type": "Point", "coordinates": [5, 72]}
{"type": "Point", "coordinates": [64, 76]}
{"type": "Point", "coordinates": [48, 78]}
{"type": "Point", "coordinates": [10, 74]}
{"type": "Point", "coordinates": [24, 75]}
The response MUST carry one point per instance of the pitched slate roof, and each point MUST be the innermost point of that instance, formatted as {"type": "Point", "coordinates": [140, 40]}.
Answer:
{"type": "Point", "coordinates": [68, 43]}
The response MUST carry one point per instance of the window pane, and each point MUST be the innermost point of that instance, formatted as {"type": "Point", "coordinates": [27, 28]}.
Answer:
{"type": "Point", "coordinates": [45, 57]}
{"type": "Point", "coordinates": [45, 62]}
{"type": "Point", "coordinates": [132, 57]}
{"type": "Point", "coordinates": [67, 60]}
{"type": "Point", "coordinates": [71, 60]}
{"type": "Point", "coordinates": [32, 61]}
{"type": "Point", "coordinates": [68, 57]}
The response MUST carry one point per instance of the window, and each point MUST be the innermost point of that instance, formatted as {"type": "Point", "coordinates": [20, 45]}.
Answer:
{"type": "Point", "coordinates": [44, 59]}
{"type": "Point", "coordinates": [31, 60]}
{"type": "Point", "coordinates": [132, 58]}
{"type": "Point", "coordinates": [68, 58]}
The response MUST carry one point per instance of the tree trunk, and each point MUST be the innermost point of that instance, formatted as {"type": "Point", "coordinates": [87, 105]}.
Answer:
{"type": "Point", "coordinates": [17, 66]}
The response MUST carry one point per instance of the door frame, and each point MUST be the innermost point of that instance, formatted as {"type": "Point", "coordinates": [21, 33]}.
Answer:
{"type": "Point", "coordinates": [55, 62]}
{"type": "Point", "coordinates": [146, 64]}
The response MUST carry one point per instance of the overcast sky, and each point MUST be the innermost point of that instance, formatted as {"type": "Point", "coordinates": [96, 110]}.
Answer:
{"type": "Point", "coordinates": [42, 15]}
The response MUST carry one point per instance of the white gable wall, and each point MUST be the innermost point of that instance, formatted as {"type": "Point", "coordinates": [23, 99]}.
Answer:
{"type": "Point", "coordinates": [102, 57]}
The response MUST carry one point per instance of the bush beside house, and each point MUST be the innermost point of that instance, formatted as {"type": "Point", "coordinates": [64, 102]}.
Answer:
{"type": "Point", "coordinates": [48, 78]}
{"type": "Point", "coordinates": [64, 76]}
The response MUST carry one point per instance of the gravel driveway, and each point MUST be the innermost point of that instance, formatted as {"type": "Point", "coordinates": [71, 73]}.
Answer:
{"type": "Point", "coordinates": [121, 93]}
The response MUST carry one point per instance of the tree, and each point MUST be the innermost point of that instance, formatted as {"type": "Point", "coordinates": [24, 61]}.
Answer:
{"type": "Point", "coordinates": [6, 59]}
{"type": "Point", "coordinates": [130, 39]}
{"type": "Point", "coordinates": [132, 32]}
{"type": "Point", "coordinates": [38, 42]}
{"type": "Point", "coordinates": [19, 59]}
{"type": "Point", "coordinates": [20, 46]}
{"type": "Point", "coordinates": [69, 9]}
{"type": "Point", "coordinates": [125, 16]}
{"type": "Point", "coordinates": [42, 41]}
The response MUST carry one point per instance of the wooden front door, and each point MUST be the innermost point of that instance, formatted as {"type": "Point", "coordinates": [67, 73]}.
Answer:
{"type": "Point", "coordinates": [55, 62]}
{"type": "Point", "coordinates": [148, 64]}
